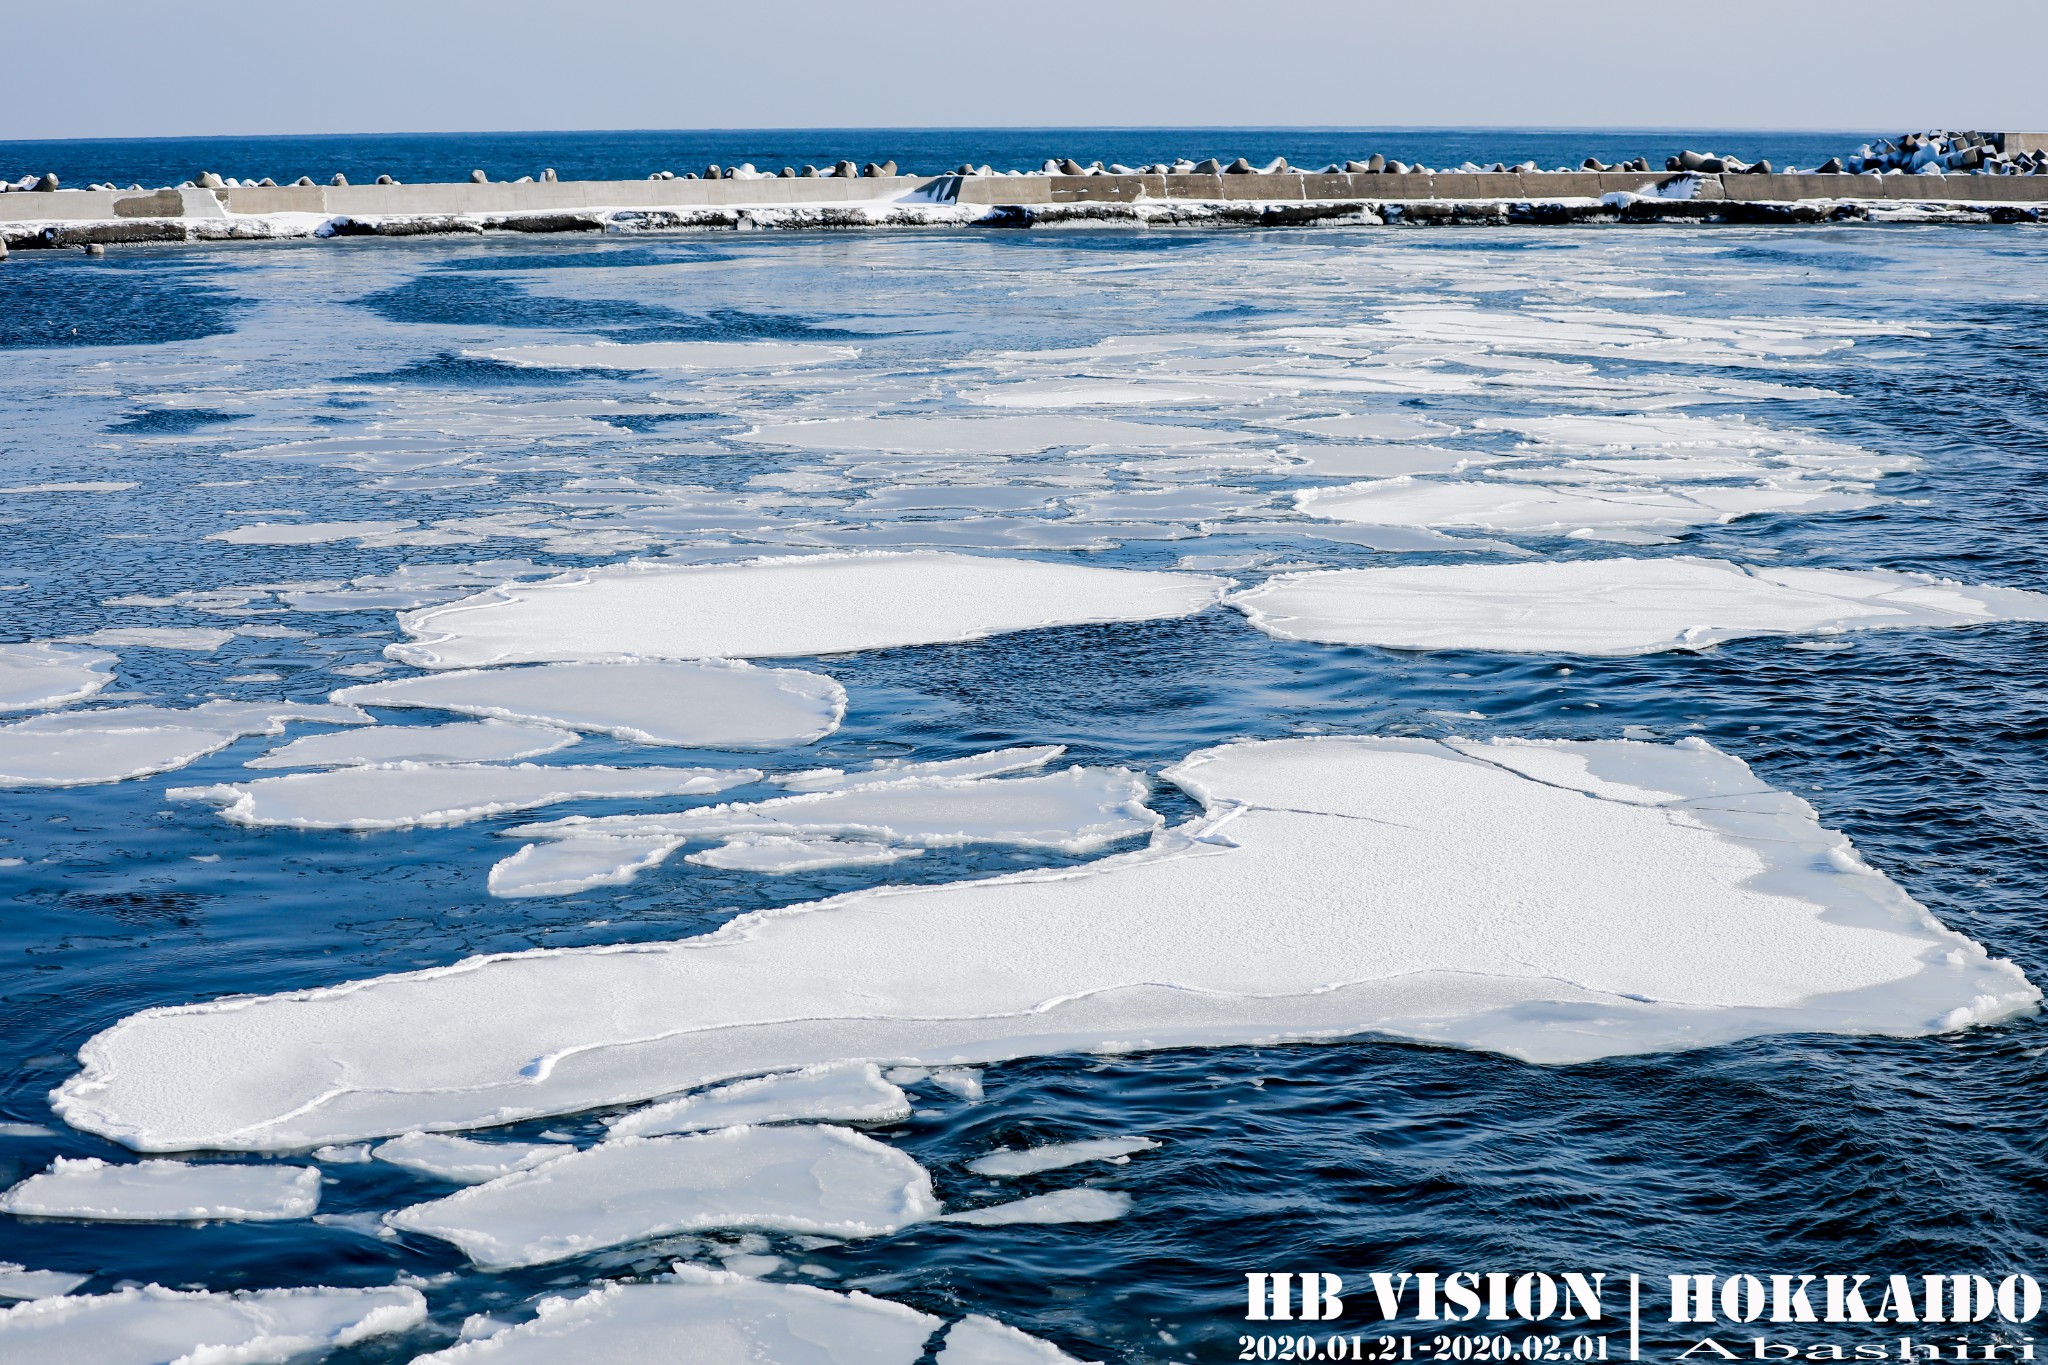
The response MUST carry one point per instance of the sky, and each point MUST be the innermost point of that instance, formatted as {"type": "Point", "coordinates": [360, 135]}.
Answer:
{"type": "Point", "coordinates": [137, 68]}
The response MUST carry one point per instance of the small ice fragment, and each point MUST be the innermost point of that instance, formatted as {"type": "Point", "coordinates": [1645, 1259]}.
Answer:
{"type": "Point", "coordinates": [750, 1265]}
{"type": "Point", "coordinates": [25, 1130]}
{"type": "Point", "coordinates": [402, 795]}
{"type": "Point", "coordinates": [1054, 1156]}
{"type": "Point", "coordinates": [307, 532]}
{"type": "Point", "coordinates": [195, 639]}
{"type": "Point", "coordinates": [17, 1281]}
{"type": "Point", "coordinates": [963, 1081]}
{"type": "Point", "coordinates": [907, 1075]}
{"type": "Point", "coordinates": [726, 1319]}
{"type": "Point", "coordinates": [776, 854]}
{"type": "Point", "coordinates": [106, 486]}
{"type": "Point", "coordinates": [87, 1189]}
{"type": "Point", "coordinates": [151, 1325]}
{"type": "Point", "coordinates": [991, 764]}
{"type": "Point", "coordinates": [42, 674]}
{"type": "Point", "coordinates": [443, 1156]}
{"type": "Point", "coordinates": [351, 1154]}
{"type": "Point", "coordinates": [979, 435]}
{"type": "Point", "coordinates": [808, 1179]}
{"type": "Point", "coordinates": [468, 742]}
{"type": "Point", "coordinates": [1061, 1206]}
{"type": "Point", "coordinates": [706, 704]}
{"type": "Point", "coordinates": [977, 1340]}
{"type": "Point", "coordinates": [833, 1094]}
{"type": "Point", "coordinates": [671, 355]}
{"type": "Point", "coordinates": [816, 604]}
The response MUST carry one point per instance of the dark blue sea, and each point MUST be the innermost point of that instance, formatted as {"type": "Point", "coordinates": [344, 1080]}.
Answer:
{"type": "Point", "coordinates": [416, 157]}
{"type": "Point", "coordinates": [165, 368]}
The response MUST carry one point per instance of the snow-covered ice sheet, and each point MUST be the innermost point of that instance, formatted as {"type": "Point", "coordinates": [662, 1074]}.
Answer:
{"type": "Point", "coordinates": [88, 1189]}
{"type": "Point", "coordinates": [444, 1156]}
{"type": "Point", "coordinates": [151, 1325]}
{"type": "Point", "coordinates": [820, 1094]}
{"type": "Point", "coordinates": [17, 1281]}
{"type": "Point", "coordinates": [1612, 606]}
{"type": "Point", "coordinates": [978, 1340]}
{"type": "Point", "coordinates": [1075, 811]}
{"type": "Point", "coordinates": [113, 744]}
{"type": "Point", "coordinates": [713, 705]}
{"type": "Point", "coordinates": [817, 604]}
{"type": "Point", "coordinates": [671, 355]}
{"type": "Point", "coordinates": [1489, 505]}
{"type": "Point", "coordinates": [829, 1181]}
{"type": "Point", "coordinates": [467, 742]}
{"type": "Point", "coordinates": [1554, 901]}
{"type": "Point", "coordinates": [1053, 1156]}
{"type": "Point", "coordinates": [402, 795]}
{"type": "Point", "coordinates": [42, 674]}
{"type": "Point", "coordinates": [706, 1317]}
{"type": "Point", "coordinates": [1061, 1206]}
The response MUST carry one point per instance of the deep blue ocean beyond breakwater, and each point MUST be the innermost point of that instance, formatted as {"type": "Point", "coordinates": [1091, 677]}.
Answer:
{"type": "Point", "coordinates": [1784, 1153]}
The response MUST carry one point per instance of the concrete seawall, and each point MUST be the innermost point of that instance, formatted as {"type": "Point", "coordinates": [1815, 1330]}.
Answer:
{"type": "Point", "coordinates": [69, 218]}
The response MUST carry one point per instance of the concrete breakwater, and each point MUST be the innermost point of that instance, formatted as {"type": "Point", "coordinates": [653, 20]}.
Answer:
{"type": "Point", "coordinates": [1291, 198]}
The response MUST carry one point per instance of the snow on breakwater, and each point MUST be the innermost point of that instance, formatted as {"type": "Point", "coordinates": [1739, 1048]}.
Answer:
{"type": "Point", "coordinates": [1459, 892]}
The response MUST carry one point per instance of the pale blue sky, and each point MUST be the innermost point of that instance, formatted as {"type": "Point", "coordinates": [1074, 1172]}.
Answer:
{"type": "Point", "coordinates": [146, 67]}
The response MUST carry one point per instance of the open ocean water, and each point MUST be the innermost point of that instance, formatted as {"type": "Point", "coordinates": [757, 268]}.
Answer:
{"type": "Point", "coordinates": [188, 372]}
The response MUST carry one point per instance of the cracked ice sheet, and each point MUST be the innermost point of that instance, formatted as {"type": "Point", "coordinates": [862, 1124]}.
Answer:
{"type": "Point", "coordinates": [151, 1325]}
{"type": "Point", "coordinates": [1450, 898]}
{"type": "Point", "coordinates": [91, 1190]}
{"type": "Point", "coordinates": [829, 1094]}
{"type": "Point", "coordinates": [816, 604]}
{"type": "Point", "coordinates": [1478, 504]}
{"type": "Point", "coordinates": [714, 705]}
{"type": "Point", "coordinates": [829, 1181]}
{"type": "Point", "coordinates": [726, 1319]}
{"type": "Point", "coordinates": [114, 744]}
{"type": "Point", "coordinates": [1075, 811]}
{"type": "Point", "coordinates": [471, 742]}
{"type": "Point", "coordinates": [403, 795]}
{"type": "Point", "coordinates": [671, 355]}
{"type": "Point", "coordinates": [43, 674]}
{"type": "Point", "coordinates": [1612, 607]}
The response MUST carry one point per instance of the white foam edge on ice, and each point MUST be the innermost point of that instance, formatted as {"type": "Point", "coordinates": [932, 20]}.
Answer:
{"type": "Point", "coordinates": [114, 744]}
{"type": "Point", "coordinates": [1076, 810]}
{"type": "Point", "coordinates": [463, 742]}
{"type": "Point", "coordinates": [778, 607]}
{"type": "Point", "coordinates": [821, 1180]}
{"type": "Point", "coordinates": [1060, 1206]}
{"type": "Point", "coordinates": [1053, 1156]}
{"type": "Point", "coordinates": [40, 674]}
{"type": "Point", "coordinates": [405, 795]}
{"type": "Point", "coordinates": [713, 703]}
{"type": "Point", "coordinates": [1612, 606]}
{"type": "Point", "coordinates": [727, 1319]}
{"type": "Point", "coordinates": [87, 1189]}
{"type": "Point", "coordinates": [151, 1325]}
{"type": "Point", "coordinates": [1555, 901]}
{"type": "Point", "coordinates": [818, 1094]}
{"type": "Point", "coordinates": [465, 1161]}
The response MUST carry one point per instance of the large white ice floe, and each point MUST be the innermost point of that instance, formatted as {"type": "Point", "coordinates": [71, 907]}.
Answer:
{"type": "Point", "coordinates": [402, 795]}
{"type": "Point", "coordinates": [113, 744]}
{"type": "Point", "coordinates": [90, 1190]}
{"type": "Point", "coordinates": [482, 741]}
{"type": "Point", "coordinates": [829, 1094]}
{"type": "Point", "coordinates": [977, 1340]}
{"type": "Point", "coordinates": [1491, 505]}
{"type": "Point", "coordinates": [1055, 1156]}
{"type": "Point", "coordinates": [151, 1325]}
{"type": "Point", "coordinates": [1075, 811]}
{"type": "Point", "coordinates": [1612, 606]}
{"type": "Point", "coordinates": [1061, 1206]}
{"type": "Point", "coordinates": [1554, 901]}
{"type": "Point", "coordinates": [444, 1156]}
{"type": "Point", "coordinates": [710, 704]}
{"type": "Point", "coordinates": [671, 355]}
{"type": "Point", "coordinates": [43, 674]}
{"type": "Point", "coordinates": [830, 1181]}
{"type": "Point", "coordinates": [817, 604]}
{"type": "Point", "coordinates": [712, 1318]}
